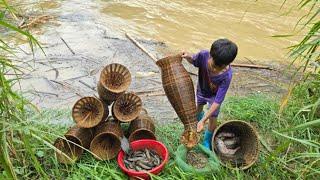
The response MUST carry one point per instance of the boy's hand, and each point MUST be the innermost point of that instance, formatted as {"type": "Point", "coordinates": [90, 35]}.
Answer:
{"type": "Point", "coordinates": [200, 126]}
{"type": "Point", "coordinates": [187, 56]}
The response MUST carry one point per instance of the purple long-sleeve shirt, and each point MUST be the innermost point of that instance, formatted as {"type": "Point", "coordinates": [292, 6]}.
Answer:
{"type": "Point", "coordinates": [221, 81]}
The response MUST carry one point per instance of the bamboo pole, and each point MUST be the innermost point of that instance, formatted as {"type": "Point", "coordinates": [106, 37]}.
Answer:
{"type": "Point", "coordinates": [251, 66]}
{"type": "Point", "coordinates": [141, 47]}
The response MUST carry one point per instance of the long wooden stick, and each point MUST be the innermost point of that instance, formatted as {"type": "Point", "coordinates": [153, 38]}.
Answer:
{"type": "Point", "coordinates": [155, 60]}
{"type": "Point", "coordinates": [252, 66]}
{"type": "Point", "coordinates": [141, 47]}
{"type": "Point", "coordinates": [67, 46]}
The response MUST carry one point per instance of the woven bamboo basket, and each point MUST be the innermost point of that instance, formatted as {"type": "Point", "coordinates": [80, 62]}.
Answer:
{"type": "Point", "coordinates": [142, 127]}
{"type": "Point", "coordinates": [248, 153]}
{"type": "Point", "coordinates": [107, 141]}
{"type": "Point", "coordinates": [72, 146]}
{"type": "Point", "coordinates": [114, 80]}
{"type": "Point", "coordinates": [179, 89]}
{"type": "Point", "coordinates": [88, 112]}
{"type": "Point", "coordinates": [127, 107]}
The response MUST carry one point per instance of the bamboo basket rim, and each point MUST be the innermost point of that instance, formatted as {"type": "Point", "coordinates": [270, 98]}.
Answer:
{"type": "Point", "coordinates": [104, 133]}
{"type": "Point", "coordinates": [99, 136]}
{"type": "Point", "coordinates": [162, 60]}
{"type": "Point", "coordinates": [122, 88]}
{"type": "Point", "coordinates": [254, 130]}
{"type": "Point", "coordinates": [60, 154]}
{"type": "Point", "coordinates": [80, 143]}
{"type": "Point", "coordinates": [117, 113]}
{"type": "Point", "coordinates": [142, 129]}
{"type": "Point", "coordinates": [101, 106]}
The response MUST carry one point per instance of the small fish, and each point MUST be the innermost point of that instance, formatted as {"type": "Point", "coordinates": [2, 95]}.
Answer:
{"type": "Point", "coordinates": [144, 166]}
{"type": "Point", "coordinates": [142, 160]}
{"type": "Point", "coordinates": [231, 143]}
{"type": "Point", "coordinates": [221, 147]}
{"type": "Point", "coordinates": [126, 162]}
{"type": "Point", "coordinates": [226, 134]}
{"type": "Point", "coordinates": [135, 159]}
{"type": "Point", "coordinates": [147, 153]}
{"type": "Point", "coordinates": [138, 168]}
{"type": "Point", "coordinates": [157, 160]}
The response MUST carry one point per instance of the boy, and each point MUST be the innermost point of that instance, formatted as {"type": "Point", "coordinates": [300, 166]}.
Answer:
{"type": "Point", "coordinates": [214, 77]}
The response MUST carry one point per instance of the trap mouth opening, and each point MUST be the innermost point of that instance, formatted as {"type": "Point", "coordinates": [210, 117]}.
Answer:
{"type": "Point", "coordinates": [127, 107]}
{"type": "Point", "coordinates": [105, 146]}
{"type": "Point", "coordinates": [70, 147]}
{"type": "Point", "coordinates": [141, 134]}
{"type": "Point", "coordinates": [249, 144]}
{"type": "Point", "coordinates": [114, 82]}
{"type": "Point", "coordinates": [116, 78]}
{"type": "Point", "coordinates": [88, 112]}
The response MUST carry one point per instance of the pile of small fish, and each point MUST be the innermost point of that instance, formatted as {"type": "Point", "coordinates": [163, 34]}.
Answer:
{"type": "Point", "coordinates": [142, 160]}
{"type": "Point", "coordinates": [227, 143]}
{"type": "Point", "coordinates": [197, 159]}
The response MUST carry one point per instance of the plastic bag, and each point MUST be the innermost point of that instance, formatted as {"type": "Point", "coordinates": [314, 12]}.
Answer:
{"type": "Point", "coordinates": [213, 163]}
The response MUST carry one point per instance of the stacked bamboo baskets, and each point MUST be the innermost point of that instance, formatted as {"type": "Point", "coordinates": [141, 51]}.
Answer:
{"type": "Point", "coordinates": [95, 129]}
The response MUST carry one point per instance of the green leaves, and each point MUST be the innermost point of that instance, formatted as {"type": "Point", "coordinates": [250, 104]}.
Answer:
{"type": "Point", "coordinates": [310, 124]}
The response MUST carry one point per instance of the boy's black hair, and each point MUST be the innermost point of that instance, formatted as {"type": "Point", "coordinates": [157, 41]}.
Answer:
{"type": "Point", "coordinates": [223, 52]}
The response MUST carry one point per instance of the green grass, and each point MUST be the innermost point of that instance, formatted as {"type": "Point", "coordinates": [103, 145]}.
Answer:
{"type": "Point", "coordinates": [281, 158]}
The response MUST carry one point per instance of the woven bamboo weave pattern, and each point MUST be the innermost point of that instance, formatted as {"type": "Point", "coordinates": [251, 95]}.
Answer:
{"type": "Point", "coordinates": [106, 143]}
{"type": "Point", "coordinates": [88, 112]}
{"type": "Point", "coordinates": [142, 127]}
{"type": "Point", "coordinates": [114, 80]}
{"type": "Point", "coordinates": [80, 138]}
{"type": "Point", "coordinates": [127, 107]}
{"type": "Point", "coordinates": [179, 89]}
{"type": "Point", "coordinates": [248, 153]}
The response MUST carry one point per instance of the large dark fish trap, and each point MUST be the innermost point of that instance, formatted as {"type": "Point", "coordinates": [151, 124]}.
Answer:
{"type": "Point", "coordinates": [248, 153]}
{"type": "Point", "coordinates": [107, 141]}
{"type": "Point", "coordinates": [71, 148]}
{"type": "Point", "coordinates": [114, 80]}
{"type": "Point", "coordinates": [142, 127]}
{"type": "Point", "coordinates": [179, 89]}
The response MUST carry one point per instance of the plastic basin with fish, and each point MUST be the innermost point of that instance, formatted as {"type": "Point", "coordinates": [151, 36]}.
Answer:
{"type": "Point", "coordinates": [154, 145]}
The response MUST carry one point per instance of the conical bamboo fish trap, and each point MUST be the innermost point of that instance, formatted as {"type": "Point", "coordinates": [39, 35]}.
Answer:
{"type": "Point", "coordinates": [248, 153]}
{"type": "Point", "coordinates": [127, 107]}
{"type": "Point", "coordinates": [179, 89]}
{"type": "Point", "coordinates": [88, 112]}
{"type": "Point", "coordinates": [142, 127]}
{"type": "Point", "coordinates": [107, 141]}
{"type": "Point", "coordinates": [71, 148]}
{"type": "Point", "coordinates": [114, 80]}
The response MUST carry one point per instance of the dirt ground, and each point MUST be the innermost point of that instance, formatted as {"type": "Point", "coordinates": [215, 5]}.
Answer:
{"type": "Point", "coordinates": [78, 44]}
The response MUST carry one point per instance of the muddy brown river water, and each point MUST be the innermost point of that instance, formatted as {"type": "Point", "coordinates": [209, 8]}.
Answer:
{"type": "Point", "coordinates": [94, 31]}
{"type": "Point", "coordinates": [194, 24]}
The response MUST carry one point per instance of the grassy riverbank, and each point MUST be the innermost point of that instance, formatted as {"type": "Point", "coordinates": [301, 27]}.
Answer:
{"type": "Point", "coordinates": [280, 157]}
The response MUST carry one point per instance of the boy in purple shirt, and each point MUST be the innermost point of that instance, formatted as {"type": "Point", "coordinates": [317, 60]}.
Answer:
{"type": "Point", "coordinates": [214, 77]}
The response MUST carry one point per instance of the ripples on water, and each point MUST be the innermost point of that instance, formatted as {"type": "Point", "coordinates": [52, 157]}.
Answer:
{"type": "Point", "coordinates": [193, 25]}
